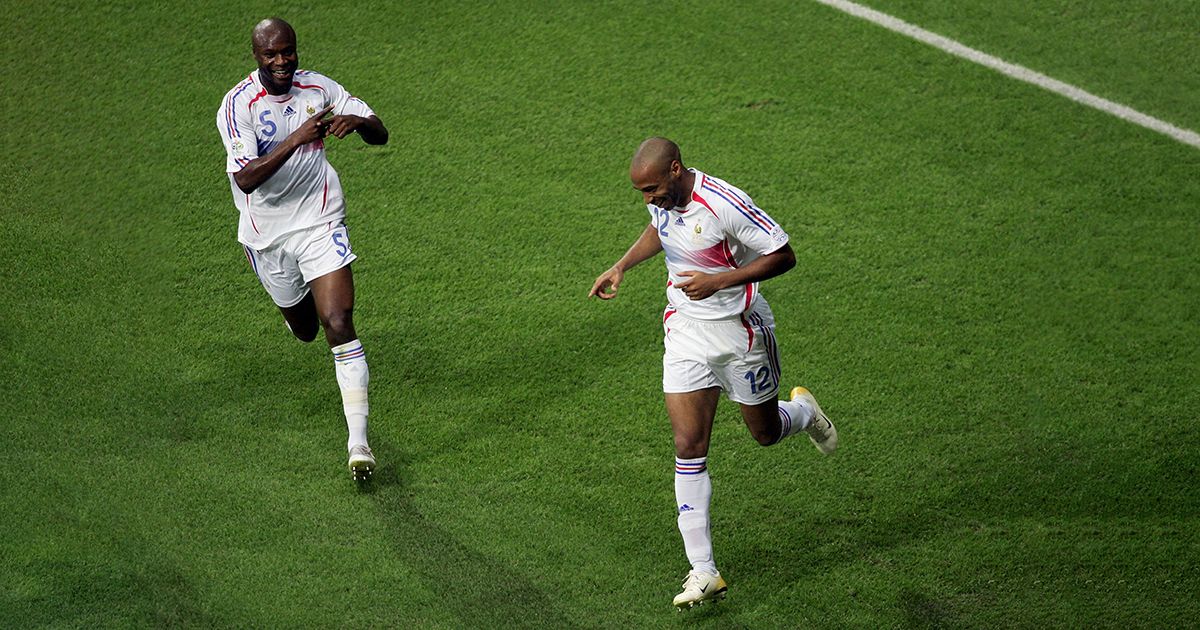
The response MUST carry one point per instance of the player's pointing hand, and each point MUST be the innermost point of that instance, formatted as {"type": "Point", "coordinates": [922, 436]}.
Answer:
{"type": "Point", "coordinates": [342, 126]}
{"type": "Point", "coordinates": [323, 113]}
{"type": "Point", "coordinates": [605, 287]}
{"type": "Point", "coordinates": [314, 128]}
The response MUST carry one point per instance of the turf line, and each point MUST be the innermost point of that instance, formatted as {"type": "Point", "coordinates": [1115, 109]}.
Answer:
{"type": "Point", "coordinates": [1015, 71]}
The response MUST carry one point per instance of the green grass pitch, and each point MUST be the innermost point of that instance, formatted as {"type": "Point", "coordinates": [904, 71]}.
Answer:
{"type": "Point", "coordinates": [997, 300]}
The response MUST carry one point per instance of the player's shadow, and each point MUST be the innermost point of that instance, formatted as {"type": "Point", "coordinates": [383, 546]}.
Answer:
{"type": "Point", "coordinates": [480, 591]}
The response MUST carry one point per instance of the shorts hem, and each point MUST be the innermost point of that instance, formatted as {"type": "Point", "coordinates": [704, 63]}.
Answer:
{"type": "Point", "coordinates": [297, 300]}
{"type": "Point", "coordinates": [687, 389]}
{"type": "Point", "coordinates": [350, 257]}
{"type": "Point", "coordinates": [772, 396]}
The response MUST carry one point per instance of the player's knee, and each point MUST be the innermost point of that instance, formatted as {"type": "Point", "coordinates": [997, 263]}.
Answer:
{"type": "Point", "coordinates": [688, 447]}
{"type": "Point", "coordinates": [339, 325]}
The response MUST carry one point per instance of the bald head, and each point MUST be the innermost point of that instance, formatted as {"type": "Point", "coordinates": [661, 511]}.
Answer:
{"type": "Point", "coordinates": [269, 29]}
{"type": "Point", "coordinates": [658, 172]}
{"type": "Point", "coordinates": [274, 46]}
{"type": "Point", "coordinates": [654, 156]}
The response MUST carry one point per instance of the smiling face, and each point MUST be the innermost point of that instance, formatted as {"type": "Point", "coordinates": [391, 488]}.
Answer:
{"type": "Point", "coordinates": [274, 46]}
{"type": "Point", "coordinates": [657, 171]}
{"type": "Point", "coordinates": [660, 184]}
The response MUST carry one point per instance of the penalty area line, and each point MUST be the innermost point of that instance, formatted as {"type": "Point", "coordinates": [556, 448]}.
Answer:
{"type": "Point", "coordinates": [1015, 71]}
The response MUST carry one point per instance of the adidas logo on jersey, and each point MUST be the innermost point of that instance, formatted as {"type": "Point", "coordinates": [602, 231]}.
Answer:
{"type": "Point", "coordinates": [289, 111]}
{"type": "Point", "coordinates": [679, 221]}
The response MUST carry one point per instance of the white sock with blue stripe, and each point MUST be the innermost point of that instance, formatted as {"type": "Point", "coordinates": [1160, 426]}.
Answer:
{"type": "Point", "coordinates": [693, 493]}
{"type": "Point", "coordinates": [350, 362]}
{"type": "Point", "coordinates": [794, 416]}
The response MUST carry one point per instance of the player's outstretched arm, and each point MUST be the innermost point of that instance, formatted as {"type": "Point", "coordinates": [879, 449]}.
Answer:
{"type": "Point", "coordinates": [699, 285]}
{"type": "Point", "coordinates": [370, 128]}
{"type": "Point", "coordinates": [261, 168]}
{"type": "Point", "coordinates": [646, 247]}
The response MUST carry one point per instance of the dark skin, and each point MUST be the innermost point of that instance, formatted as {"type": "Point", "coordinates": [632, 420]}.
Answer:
{"type": "Point", "coordinates": [274, 47]}
{"type": "Point", "coordinates": [658, 173]}
{"type": "Point", "coordinates": [330, 303]}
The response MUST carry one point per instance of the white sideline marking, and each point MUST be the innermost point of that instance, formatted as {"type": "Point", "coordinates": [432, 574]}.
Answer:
{"type": "Point", "coordinates": [1020, 73]}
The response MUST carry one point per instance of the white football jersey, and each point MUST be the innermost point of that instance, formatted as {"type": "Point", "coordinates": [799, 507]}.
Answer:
{"type": "Point", "coordinates": [305, 191]}
{"type": "Point", "coordinates": [719, 229]}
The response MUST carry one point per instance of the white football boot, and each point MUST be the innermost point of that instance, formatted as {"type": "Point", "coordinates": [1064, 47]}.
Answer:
{"type": "Point", "coordinates": [362, 462]}
{"type": "Point", "coordinates": [820, 430]}
{"type": "Point", "coordinates": [700, 587]}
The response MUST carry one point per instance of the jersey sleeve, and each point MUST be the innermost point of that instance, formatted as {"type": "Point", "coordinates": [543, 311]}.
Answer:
{"type": "Point", "coordinates": [345, 103]}
{"type": "Point", "coordinates": [751, 226]}
{"type": "Point", "coordinates": [237, 132]}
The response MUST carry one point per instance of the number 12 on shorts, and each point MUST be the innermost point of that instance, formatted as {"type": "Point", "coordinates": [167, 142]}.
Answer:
{"type": "Point", "coordinates": [762, 382]}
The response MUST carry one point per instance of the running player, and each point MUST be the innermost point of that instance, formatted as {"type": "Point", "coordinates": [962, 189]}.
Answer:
{"type": "Point", "coordinates": [719, 332]}
{"type": "Point", "coordinates": [292, 227]}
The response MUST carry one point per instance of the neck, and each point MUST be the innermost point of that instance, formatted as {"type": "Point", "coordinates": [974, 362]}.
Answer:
{"type": "Point", "coordinates": [689, 184]}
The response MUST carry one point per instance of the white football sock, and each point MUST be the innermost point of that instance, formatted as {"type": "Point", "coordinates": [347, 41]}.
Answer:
{"type": "Point", "coordinates": [350, 362]}
{"type": "Point", "coordinates": [693, 493]}
{"type": "Point", "coordinates": [794, 416]}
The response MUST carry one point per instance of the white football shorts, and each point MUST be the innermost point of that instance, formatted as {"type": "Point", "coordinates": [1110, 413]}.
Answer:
{"type": "Point", "coordinates": [738, 355]}
{"type": "Point", "coordinates": [287, 266]}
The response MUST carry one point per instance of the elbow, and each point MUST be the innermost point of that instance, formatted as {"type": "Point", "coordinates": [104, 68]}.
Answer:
{"type": "Point", "coordinates": [787, 261]}
{"type": "Point", "coordinates": [377, 133]}
{"type": "Point", "coordinates": [242, 183]}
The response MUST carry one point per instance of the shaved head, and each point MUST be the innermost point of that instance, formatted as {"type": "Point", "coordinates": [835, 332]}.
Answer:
{"type": "Point", "coordinates": [268, 29]}
{"type": "Point", "coordinates": [658, 172]}
{"type": "Point", "coordinates": [273, 44]}
{"type": "Point", "coordinates": [655, 155]}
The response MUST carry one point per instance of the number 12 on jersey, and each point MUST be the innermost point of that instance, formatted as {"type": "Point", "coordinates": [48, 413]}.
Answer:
{"type": "Point", "coordinates": [663, 216]}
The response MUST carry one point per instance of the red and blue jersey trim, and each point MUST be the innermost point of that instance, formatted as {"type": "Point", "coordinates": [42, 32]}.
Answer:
{"type": "Point", "coordinates": [748, 210]}
{"type": "Point", "coordinates": [230, 122]}
{"type": "Point", "coordinates": [261, 93]}
{"type": "Point", "coordinates": [701, 201]}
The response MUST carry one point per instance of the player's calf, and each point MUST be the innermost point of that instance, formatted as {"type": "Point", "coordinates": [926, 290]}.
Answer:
{"type": "Point", "coordinates": [303, 335]}
{"type": "Point", "coordinates": [768, 435]}
{"type": "Point", "coordinates": [301, 319]}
